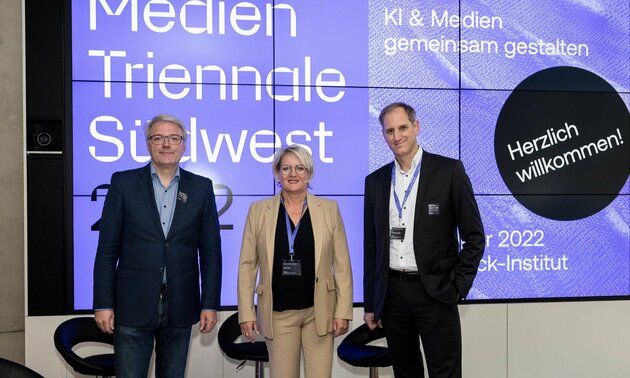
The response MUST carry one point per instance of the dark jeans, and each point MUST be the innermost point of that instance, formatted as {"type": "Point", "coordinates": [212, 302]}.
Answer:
{"type": "Point", "coordinates": [133, 347]}
{"type": "Point", "coordinates": [410, 312]}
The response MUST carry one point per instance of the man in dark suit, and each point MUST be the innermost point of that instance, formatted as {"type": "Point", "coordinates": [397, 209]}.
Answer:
{"type": "Point", "coordinates": [415, 269]}
{"type": "Point", "coordinates": [159, 231]}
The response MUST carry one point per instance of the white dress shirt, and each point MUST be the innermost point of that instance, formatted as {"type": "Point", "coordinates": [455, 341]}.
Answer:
{"type": "Point", "coordinates": [401, 255]}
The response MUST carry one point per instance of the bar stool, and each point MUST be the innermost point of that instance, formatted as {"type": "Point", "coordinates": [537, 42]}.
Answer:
{"type": "Point", "coordinates": [80, 330]}
{"type": "Point", "coordinates": [355, 351]}
{"type": "Point", "coordinates": [229, 332]}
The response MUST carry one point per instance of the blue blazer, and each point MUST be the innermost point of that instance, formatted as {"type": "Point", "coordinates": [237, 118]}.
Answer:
{"type": "Point", "coordinates": [446, 269]}
{"type": "Point", "coordinates": [132, 250]}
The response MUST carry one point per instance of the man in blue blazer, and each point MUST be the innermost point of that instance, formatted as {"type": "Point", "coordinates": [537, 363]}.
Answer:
{"type": "Point", "coordinates": [414, 268]}
{"type": "Point", "coordinates": [159, 234]}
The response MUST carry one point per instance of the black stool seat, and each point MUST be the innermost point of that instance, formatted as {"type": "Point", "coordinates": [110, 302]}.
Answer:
{"type": "Point", "coordinates": [354, 351]}
{"type": "Point", "coordinates": [256, 351]}
{"type": "Point", "coordinates": [103, 360]}
{"type": "Point", "coordinates": [365, 356]}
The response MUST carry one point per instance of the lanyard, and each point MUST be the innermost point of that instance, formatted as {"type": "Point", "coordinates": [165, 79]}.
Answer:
{"type": "Point", "coordinates": [396, 199]}
{"type": "Point", "coordinates": [292, 234]}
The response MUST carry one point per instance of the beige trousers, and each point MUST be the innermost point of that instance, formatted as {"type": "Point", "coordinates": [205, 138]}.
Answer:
{"type": "Point", "coordinates": [294, 331]}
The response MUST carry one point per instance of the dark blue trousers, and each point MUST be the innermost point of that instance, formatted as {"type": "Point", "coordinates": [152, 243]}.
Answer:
{"type": "Point", "coordinates": [133, 347]}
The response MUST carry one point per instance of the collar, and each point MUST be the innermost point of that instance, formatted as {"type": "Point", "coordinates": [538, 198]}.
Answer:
{"type": "Point", "coordinates": [414, 163]}
{"type": "Point", "coordinates": [154, 173]}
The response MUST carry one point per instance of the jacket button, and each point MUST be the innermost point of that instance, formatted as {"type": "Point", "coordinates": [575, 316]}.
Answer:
{"type": "Point", "coordinates": [316, 279]}
{"type": "Point", "coordinates": [167, 244]}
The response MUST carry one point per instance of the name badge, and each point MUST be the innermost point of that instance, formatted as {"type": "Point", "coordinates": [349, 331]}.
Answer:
{"type": "Point", "coordinates": [397, 233]}
{"type": "Point", "coordinates": [434, 209]}
{"type": "Point", "coordinates": [291, 268]}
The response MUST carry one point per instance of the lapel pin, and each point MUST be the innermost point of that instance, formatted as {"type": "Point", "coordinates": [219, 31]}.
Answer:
{"type": "Point", "coordinates": [181, 196]}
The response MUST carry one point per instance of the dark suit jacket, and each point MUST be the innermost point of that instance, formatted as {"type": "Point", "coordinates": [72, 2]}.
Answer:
{"type": "Point", "coordinates": [132, 251]}
{"type": "Point", "coordinates": [446, 272]}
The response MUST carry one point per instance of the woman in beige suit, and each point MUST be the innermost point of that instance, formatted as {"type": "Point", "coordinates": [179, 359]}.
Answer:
{"type": "Point", "coordinates": [297, 242]}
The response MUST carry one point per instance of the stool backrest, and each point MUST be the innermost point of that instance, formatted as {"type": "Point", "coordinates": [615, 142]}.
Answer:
{"type": "Point", "coordinates": [79, 330]}
{"type": "Point", "coordinates": [229, 332]}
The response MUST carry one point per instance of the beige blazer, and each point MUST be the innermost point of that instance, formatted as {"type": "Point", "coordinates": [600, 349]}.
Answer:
{"type": "Point", "coordinates": [333, 275]}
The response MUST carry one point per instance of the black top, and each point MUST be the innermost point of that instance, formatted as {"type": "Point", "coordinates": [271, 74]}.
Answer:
{"type": "Point", "coordinates": [294, 292]}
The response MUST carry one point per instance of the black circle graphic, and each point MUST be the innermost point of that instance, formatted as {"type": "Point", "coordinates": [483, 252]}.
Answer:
{"type": "Point", "coordinates": [43, 139]}
{"type": "Point", "coordinates": [562, 143]}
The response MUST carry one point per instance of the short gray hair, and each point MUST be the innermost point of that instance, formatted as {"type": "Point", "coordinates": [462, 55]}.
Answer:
{"type": "Point", "coordinates": [411, 112]}
{"type": "Point", "coordinates": [300, 153]}
{"type": "Point", "coordinates": [163, 118]}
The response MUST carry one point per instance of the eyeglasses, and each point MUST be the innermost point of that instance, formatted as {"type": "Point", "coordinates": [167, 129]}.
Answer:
{"type": "Point", "coordinates": [299, 169]}
{"type": "Point", "coordinates": [159, 139]}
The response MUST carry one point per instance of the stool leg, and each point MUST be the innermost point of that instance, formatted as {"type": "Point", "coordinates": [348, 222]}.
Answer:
{"type": "Point", "coordinates": [373, 372]}
{"type": "Point", "coordinates": [260, 370]}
